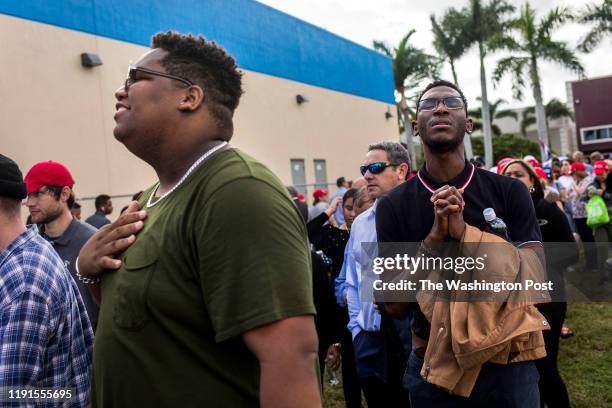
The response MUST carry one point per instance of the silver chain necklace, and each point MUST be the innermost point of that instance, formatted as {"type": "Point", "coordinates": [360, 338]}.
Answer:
{"type": "Point", "coordinates": [189, 171]}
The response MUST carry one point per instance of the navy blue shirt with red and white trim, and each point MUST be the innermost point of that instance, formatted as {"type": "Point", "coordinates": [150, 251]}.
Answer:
{"type": "Point", "coordinates": [406, 214]}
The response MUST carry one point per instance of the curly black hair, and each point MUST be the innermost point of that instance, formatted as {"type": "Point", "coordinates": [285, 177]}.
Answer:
{"type": "Point", "coordinates": [442, 82]}
{"type": "Point", "coordinates": [206, 64]}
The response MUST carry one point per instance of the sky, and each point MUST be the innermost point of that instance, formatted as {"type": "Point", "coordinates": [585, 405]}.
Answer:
{"type": "Point", "coordinates": [363, 21]}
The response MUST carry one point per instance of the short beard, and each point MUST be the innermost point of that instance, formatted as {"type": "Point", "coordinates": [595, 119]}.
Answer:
{"type": "Point", "coordinates": [49, 217]}
{"type": "Point", "coordinates": [444, 146]}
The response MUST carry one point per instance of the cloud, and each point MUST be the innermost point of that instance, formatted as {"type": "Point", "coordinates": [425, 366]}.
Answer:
{"type": "Point", "coordinates": [362, 21]}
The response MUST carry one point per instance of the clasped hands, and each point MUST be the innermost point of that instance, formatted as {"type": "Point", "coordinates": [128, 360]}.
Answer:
{"type": "Point", "coordinates": [448, 219]}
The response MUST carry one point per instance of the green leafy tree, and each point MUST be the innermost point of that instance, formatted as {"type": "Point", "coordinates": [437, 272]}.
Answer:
{"type": "Point", "coordinates": [411, 65]}
{"type": "Point", "coordinates": [600, 16]}
{"type": "Point", "coordinates": [483, 22]}
{"type": "Point", "coordinates": [494, 113]}
{"type": "Point", "coordinates": [554, 109]}
{"type": "Point", "coordinates": [508, 145]}
{"type": "Point", "coordinates": [529, 42]}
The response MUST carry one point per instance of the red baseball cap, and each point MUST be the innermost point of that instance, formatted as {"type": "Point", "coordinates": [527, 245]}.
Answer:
{"type": "Point", "coordinates": [600, 167]}
{"type": "Point", "coordinates": [502, 163]}
{"type": "Point", "coordinates": [541, 173]}
{"type": "Point", "coordinates": [577, 166]}
{"type": "Point", "coordinates": [533, 161]}
{"type": "Point", "coordinates": [48, 173]}
{"type": "Point", "coordinates": [319, 192]}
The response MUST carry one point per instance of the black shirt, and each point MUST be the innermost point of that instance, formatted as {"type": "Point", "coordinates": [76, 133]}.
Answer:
{"type": "Point", "coordinates": [329, 239]}
{"type": "Point", "coordinates": [562, 250]}
{"type": "Point", "coordinates": [406, 214]}
{"type": "Point", "coordinates": [302, 206]}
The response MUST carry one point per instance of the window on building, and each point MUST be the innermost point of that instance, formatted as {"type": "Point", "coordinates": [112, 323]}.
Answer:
{"type": "Point", "coordinates": [597, 134]}
{"type": "Point", "coordinates": [298, 175]}
{"type": "Point", "coordinates": [320, 169]}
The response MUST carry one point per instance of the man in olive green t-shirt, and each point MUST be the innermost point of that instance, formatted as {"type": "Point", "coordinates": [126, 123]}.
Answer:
{"type": "Point", "coordinates": [206, 296]}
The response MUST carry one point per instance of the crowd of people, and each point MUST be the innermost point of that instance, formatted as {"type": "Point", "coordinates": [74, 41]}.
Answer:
{"type": "Point", "coordinates": [559, 189]}
{"type": "Point", "coordinates": [199, 299]}
{"type": "Point", "coordinates": [570, 183]}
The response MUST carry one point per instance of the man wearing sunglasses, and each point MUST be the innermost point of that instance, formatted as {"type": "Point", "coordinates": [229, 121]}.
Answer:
{"type": "Point", "coordinates": [386, 167]}
{"type": "Point", "coordinates": [443, 203]}
{"type": "Point", "coordinates": [211, 303]}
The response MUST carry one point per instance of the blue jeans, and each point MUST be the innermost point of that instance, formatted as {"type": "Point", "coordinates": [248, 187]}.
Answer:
{"type": "Point", "coordinates": [368, 348]}
{"type": "Point", "coordinates": [498, 386]}
{"type": "Point", "coordinates": [372, 370]}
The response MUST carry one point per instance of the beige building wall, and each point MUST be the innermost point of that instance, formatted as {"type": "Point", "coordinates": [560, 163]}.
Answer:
{"type": "Point", "coordinates": [55, 109]}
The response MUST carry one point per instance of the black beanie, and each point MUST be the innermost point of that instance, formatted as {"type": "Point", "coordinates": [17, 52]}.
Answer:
{"type": "Point", "coordinates": [11, 179]}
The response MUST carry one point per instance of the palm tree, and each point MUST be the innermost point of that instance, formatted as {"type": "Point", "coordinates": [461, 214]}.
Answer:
{"type": "Point", "coordinates": [482, 24]}
{"type": "Point", "coordinates": [449, 37]}
{"type": "Point", "coordinates": [450, 40]}
{"type": "Point", "coordinates": [494, 113]}
{"type": "Point", "coordinates": [530, 42]}
{"type": "Point", "coordinates": [554, 109]}
{"type": "Point", "coordinates": [601, 15]}
{"type": "Point", "coordinates": [411, 65]}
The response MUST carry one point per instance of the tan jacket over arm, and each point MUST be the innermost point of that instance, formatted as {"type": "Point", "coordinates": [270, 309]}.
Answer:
{"type": "Point", "coordinates": [465, 335]}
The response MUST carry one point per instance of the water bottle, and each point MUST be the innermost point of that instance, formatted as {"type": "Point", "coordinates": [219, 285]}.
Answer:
{"type": "Point", "coordinates": [495, 225]}
{"type": "Point", "coordinates": [332, 375]}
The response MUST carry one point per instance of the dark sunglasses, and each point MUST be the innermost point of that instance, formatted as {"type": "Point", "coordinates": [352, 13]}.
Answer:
{"type": "Point", "coordinates": [376, 167]}
{"type": "Point", "coordinates": [452, 102]}
{"type": "Point", "coordinates": [132, 76]}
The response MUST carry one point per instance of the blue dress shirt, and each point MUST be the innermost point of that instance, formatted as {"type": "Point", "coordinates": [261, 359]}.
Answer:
{"type": "Point", "coordinates": [339, 214]}
{"type": "Point", "coordinates": [362, 312]}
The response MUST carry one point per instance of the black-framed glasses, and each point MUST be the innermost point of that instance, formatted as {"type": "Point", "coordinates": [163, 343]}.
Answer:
{"type": "Point", "coordinates": [451, 102]}
{"type": "Point", "coordinates": [132, 76]}
{"type": "Point", "coordinates": [376, 167]}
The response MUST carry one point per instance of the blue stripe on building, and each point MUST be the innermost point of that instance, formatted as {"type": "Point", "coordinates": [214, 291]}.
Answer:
{"type": "Point", "coordinates": [261, 38]}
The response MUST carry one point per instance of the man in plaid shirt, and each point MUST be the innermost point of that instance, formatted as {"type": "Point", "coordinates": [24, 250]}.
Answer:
{"type": "Point", "coordinates": [46, 338]}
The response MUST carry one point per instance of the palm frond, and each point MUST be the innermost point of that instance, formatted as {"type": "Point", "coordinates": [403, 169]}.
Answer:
{"type": "Point", "coordinates": [507, 113]}
{"type": "Point", "coordinates": [597, 13]}
{"type": "Point", "coordinates": [601, 15]}
{"type": "Point", "coordinates": [560, 53]}
{"type": "Point", "coordinates": [495, 129]}
{"type": "Point", "coordinates": [502, 41]}
{"type": "Point", "coordinates": [593, 38]}
{"type": "Point", "coordinates": [555, 18]}
{"type": "Point", "coordinates": [526, 122]}
{"type": "Point", "coordinates": [516, 67]}
{"type": "Point", "coordinates": [475, 113]}
{"type": "Point", "coordinates": [556, 109]}
{"type": "Point", "coordinates": [383, 48]}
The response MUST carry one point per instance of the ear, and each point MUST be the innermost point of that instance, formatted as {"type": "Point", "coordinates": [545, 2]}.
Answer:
{"type": "Point", "coordinates": [65, 194]}
{"type": "Point", "coordinates": [191, 98]}
{"type": "Point", "coordinates": [415, 128]}
{"type": "Point", "coordinates": [469, 125]}
{"type": "Point", "coordinates": [403, 171]}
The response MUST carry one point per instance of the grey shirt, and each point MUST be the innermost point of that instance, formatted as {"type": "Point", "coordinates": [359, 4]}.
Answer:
{"type": "Point", "coordinates": [98, 220]}
{"type": "Point", "coordinates": [68, 246]}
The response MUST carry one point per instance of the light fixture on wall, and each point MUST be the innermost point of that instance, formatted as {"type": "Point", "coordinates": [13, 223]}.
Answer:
{"type": "Point", "coordinates": [90, 60]}
{"type": "Point", "coordinates": [300, 99]}
{"type": "Point", "coordinates": [388, 114]}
